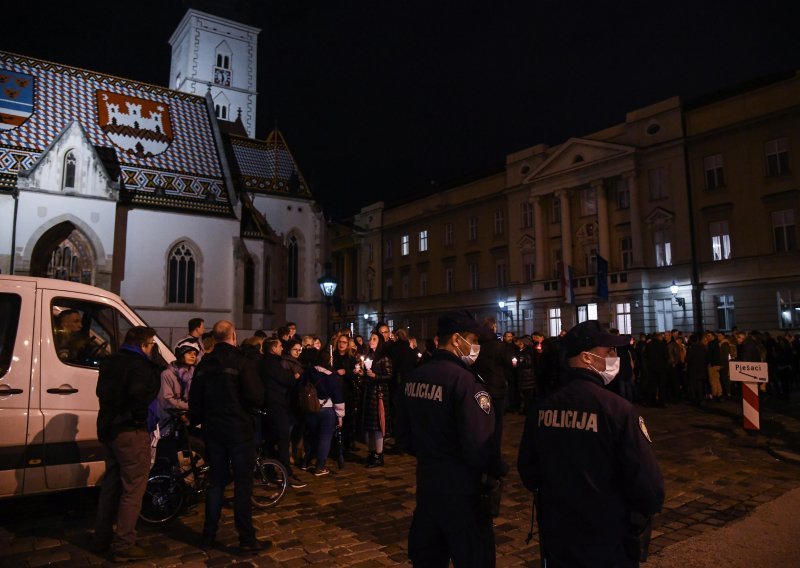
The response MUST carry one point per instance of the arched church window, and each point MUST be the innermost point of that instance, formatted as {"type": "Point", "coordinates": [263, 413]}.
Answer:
{"type": "Point", "coordinates": [182, 267]}
{"type": "Point", "coordinates": [222, 67]}
{"type": "Point", "coordinates": [70, 165]}
{"type": "Point", "coordinates": [293, 272]}
{"type": "Point", "coordinates": [249, 283]}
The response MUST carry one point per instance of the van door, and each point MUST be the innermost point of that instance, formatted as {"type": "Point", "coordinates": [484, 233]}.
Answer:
{"type": "Point", "coordinates": [78, 332]}
{"type": "Point", "coordinates": [16, 354]}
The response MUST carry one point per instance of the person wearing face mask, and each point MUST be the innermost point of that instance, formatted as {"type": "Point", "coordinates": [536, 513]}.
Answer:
{"type": "Point", "coordinates": [446, 420]}
{"type": "Point", "coordinates": [587, 456]}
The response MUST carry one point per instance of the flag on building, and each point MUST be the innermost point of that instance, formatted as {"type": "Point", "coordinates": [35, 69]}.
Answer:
{"type": "Point", "coordinates": [602, 278]}
{"type": "Point", "coordinates": [565, 274]}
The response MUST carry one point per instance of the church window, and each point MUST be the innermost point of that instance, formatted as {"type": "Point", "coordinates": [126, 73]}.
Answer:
{"type": "Point", "coordinates": [249, 283]}
{"type": "Point", "coordinates": [70, 165]}
{"type": "Point", "coordinates": [222, 67]}
{"type": "Point", "coordinates": [293, 272]}
{"type": "Point", "coordinates": [182, 266]}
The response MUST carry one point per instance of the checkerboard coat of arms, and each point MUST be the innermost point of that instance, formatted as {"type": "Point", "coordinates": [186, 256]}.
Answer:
{"type": "Point", "coordinates": [16, 99]}
{"type": "Point", "coordinates": [139, 126]}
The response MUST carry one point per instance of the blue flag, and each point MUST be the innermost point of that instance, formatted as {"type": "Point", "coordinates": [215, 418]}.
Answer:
{"type": "Point", "coordinates": [602, 277]}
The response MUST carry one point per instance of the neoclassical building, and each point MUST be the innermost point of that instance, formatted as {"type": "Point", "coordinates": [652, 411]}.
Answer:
{"type": "Point", "coordinates": [691, 204]}
{"type": "Point", "coordinates": [160, 193]}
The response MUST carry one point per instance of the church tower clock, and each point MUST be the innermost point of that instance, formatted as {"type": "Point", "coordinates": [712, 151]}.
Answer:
{"type": "Point", "coordinates": [217, 55]}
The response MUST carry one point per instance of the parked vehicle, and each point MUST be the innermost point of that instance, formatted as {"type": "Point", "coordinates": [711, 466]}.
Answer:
{"type": "Point", "coordinates": [53, 336]}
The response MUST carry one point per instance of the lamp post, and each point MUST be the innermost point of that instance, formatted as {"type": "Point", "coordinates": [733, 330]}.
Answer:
{"type": "Point", "coordinates": [674, 290]}
{"type": "Point", "coordinates": [328, 284]}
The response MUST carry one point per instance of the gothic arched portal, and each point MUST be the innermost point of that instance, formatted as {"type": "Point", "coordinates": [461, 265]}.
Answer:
{"type": "Point", "coordinates": [63, 252]}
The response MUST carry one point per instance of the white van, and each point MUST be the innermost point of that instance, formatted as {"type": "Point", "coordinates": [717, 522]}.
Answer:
{"type": "Point", "coordinates": [53, 336]}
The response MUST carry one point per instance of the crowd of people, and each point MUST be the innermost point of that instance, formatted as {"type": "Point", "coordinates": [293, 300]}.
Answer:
{"type": "Point", "coordinates": [301, 400]}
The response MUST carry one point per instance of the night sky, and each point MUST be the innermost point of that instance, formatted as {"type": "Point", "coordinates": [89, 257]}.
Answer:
{"type": "Point", "coordinates": [392, 100]}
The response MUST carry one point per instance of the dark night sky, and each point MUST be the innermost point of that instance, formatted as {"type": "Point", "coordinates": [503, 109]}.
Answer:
{"type": "Point", "coordinates": [390, 100]}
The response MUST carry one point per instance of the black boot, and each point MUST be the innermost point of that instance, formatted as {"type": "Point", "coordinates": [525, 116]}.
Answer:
{"type": "Point", "coordinates": [377, 461]}
{"type": "Point", "coordinates": [371, 459]}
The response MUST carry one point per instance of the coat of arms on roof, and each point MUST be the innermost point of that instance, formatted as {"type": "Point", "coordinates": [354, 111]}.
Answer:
{"type": "Point", "coordinates": [138, 126]}
{"type": "Point", "coordinates": [16, 99]}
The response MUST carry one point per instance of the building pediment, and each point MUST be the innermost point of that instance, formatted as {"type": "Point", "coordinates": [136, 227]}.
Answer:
{"type": "Point", "coordinates": [576, 154]}
{"type": "Point", "coordinates": [71, 165]}
{"type": "Point", "coordinates": [659, 217]}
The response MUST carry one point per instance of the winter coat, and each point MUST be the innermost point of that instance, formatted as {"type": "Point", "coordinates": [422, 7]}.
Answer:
{"type": "Point", "coordinates": [375, 389]}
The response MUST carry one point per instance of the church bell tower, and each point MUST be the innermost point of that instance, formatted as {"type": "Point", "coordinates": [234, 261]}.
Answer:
{"type": "Point", "coordinates": [217, 55]}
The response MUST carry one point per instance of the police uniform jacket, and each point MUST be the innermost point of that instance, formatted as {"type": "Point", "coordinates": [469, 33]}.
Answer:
{"type": "Point", "coordinates": [588, 453]}
{"type": "Point", "coordinates": [446, 419]}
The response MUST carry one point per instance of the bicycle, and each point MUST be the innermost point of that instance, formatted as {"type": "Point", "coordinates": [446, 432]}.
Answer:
{"type": "Point", "coordinates": [171, 489]}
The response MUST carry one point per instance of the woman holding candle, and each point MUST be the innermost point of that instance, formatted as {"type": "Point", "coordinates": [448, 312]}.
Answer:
{"type": "Point", "coordinates": [376, 372]}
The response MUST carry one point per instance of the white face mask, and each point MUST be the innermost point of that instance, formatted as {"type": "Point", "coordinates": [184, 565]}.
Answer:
{"type": "Point", "coordinates": [612, 368]}
{"type": "Point", "coordinates": [474, 350]}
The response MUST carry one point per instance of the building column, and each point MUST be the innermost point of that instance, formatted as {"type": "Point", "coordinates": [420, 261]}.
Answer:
{"type": "Point", "coordinates": [636, 218]}
{"type": "Point", "coordinates": [566, 226]}
{"type": "Point", "coordinates": [538, 220]}
{"type": "Point", "coordinates": [602, 217]}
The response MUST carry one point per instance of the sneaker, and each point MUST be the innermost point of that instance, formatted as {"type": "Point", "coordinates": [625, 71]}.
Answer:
{"type": "Point", "coordinates": [296, 483]}
{"type": "Point", "coordinates": [322, 471]}
{"type": "Point", "coordinates": [132, 552]}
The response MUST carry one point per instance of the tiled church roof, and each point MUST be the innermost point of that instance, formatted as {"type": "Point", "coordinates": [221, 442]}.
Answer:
{"type": "Point", "coordinates": [267, 166]}
{"type": "Point", "coordinates": [162, 138]}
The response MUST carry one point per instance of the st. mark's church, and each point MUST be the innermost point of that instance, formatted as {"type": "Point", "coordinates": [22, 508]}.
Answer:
{"type": "Point", "coordinates": [160, 194]}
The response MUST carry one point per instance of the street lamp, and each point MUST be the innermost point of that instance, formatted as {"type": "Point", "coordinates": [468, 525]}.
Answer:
{"type": "Point", "coordinates": [328, 284]}
{"type": "Point", "coordinates": [674, 290]}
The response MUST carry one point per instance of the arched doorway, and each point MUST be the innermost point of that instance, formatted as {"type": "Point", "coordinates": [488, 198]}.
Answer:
{"type": "Point", "coordinates": [64, 253]}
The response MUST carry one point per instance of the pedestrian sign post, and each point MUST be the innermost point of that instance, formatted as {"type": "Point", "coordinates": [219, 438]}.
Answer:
{"type": "Point", "coordinates": [751, 375]}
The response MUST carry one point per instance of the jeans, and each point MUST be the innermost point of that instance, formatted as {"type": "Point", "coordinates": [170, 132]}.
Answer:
{"type": "Point", "coordinates": [319, 434]}
{"type": "Point", "coordinates": [241, 458]}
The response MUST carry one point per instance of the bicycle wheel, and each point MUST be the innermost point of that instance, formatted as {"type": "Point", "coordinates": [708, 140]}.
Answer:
{"type": "Point", "coordinates": [270, 483]}
{"type": "Point", "coordinates": [163, 500]}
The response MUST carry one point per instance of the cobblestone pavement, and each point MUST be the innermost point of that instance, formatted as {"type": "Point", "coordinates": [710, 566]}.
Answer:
{"type": "Point", "coordinates": [715, 474]}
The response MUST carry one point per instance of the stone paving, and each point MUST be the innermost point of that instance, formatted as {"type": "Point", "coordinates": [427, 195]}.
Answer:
{"type": "Point", "coordinates": [715, 474]}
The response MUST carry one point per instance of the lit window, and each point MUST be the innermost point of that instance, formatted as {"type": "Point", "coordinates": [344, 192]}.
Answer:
{"type": "Point", "coordinates": [472, 228]}
{"type": "Point", "coordinates": [623, 312]}
{"type": "Point", "coordinates": [405, 247]}
{"type": "Point", "coordinates": [554, 321]}
{"type": "Point", "coordinates": [587, 312]}
{"type": "Point", "coordinates": [777, 156]}
{"type": "Point", "coordinates": [657, 183]}
{"type": "Point", "coordinates": [725, 316]}
{"type": "Point", "coordinates": [499, 222]}
{"type": "Point", "coordinates": [181, 275]}
{"type": "Point", "coordinates": [789, 308]}
{"type": "Point", "coordinates": [720, 240]}
{"type": "Point", "coordinates": [663, 248]}
{"type": "Point", "coordinates": [423, 240]}
{"type": "Point", "coordinates": [714, 171]}
{"type": "Point", "coordinates": [588, 201]}
{"type": "Point", "coordinates": [784, 231]}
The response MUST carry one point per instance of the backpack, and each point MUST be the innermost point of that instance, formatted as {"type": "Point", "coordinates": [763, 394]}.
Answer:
{"type": "Point", "coordinates": [309, 401]}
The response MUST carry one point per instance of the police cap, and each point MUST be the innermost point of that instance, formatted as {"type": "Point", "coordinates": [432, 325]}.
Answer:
{"type": "Point", "coordinates": [457, 322]}
{"type": "Point", "coordinates": [588, 335]}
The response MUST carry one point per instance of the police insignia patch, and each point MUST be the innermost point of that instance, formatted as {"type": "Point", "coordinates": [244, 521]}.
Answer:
{"type": "Point", "coordinates": [643, 428]}
{"type": "Point", "coordinates": [484, 401]}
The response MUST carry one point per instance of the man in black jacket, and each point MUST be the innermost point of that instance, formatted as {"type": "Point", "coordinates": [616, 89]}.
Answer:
{"type": "Point", "coordinates": [225, 391]}
{"type": "Point", "coordinates": [129, 381]}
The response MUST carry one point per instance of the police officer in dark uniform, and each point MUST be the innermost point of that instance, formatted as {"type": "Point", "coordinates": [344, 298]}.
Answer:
{"type": "Point", "coordinates": [446, 419]}
{"type": "Point", "coordinates": [587, 453]}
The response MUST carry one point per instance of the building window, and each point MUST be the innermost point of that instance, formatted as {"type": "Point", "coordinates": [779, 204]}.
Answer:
{"type": "Point", "coordinates": [657, 183]}
{"type": "Point", "coordinates": [588, 201]}
{"type": "Point", "coordinates": [405, 245]}
{"type": "Point", "coordinates": [423, 240]}
{"type": "Point", "coordinates": [389, 288]}
{"type": "Point", "coordinates": [715, 174]}
{"type": "Point", "coordinates": [777, 155]}
{"type": "Point", "coordinates": [554, 321]}
{"type": "Point", "coordinates": [623, 312]}
{"type": "Point", "coordinates": [623, 194]}
{"type": "Point", "coordinates": [663, 248]}
{"type": "Point", "coordinates": [499, 222]}
{"type": "Point", "coordinates": [222, 70]}
{"type": "Point", "coordinates": [556, 262]}
{"type": "Point", "coordinates": [369, 252]}
{"type": "Point", "coordinates": [501, 271]}
{"type": "Point", "coordinates": [472, 229]}
{"type": "Point", "coordinates": [626, 252]}
{"type": "Point", "coordinates": [70, 166]}
{"type": "Point", "coordinates": [720, 240]}
{"type": "Point", "coordinates": [423, 284]}
{"type": "Point", "coordinates": [555, 210]}
{"type": "Point", "coordinates": [181, 275]}
{"type": "Point", "coordinates": [725, 317]}
{"type": "Point", "coordinates": [528, 267]}
{"type": "Point", "coordinates": [249, 283]}
{"type": "Point", "coordinates": [449, 238]}
{"type": "Point", "coordinates": [449, 279]}
{"type": "Point", "coordinates": [293, 272]}
{"type": "Point", "coordinates": [527, 215]}
{"type": "Point", "coordinates": [405, 286]}
{"type": "Point", "coordinates": [387, 248]}
{"type": "Point", "coordinates": [590, 261]}
{"type": "Point", "coordinates": [474, 276]}
{"type": "Point", "coordinates": [663, 309]}
{"type": "Point", "coordinates": [221, 111]}
{"type": "Point", "coordinates": [783, 229]}
{"type": "Point", "coordinates": [587, 312]}
{"type": "Point", "coordinates": [789, 315]}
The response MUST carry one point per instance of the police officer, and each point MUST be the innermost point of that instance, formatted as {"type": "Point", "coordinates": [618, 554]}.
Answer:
{"type": "Point", "coordinates": [446, 419]}
{"type": "Point", "coordinates": [588, 454]}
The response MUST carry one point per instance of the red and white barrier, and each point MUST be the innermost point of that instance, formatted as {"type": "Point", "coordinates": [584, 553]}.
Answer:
{"type": "Point", "coordinates": [750, 406]}
{"type": "Point", "coordinates": [751, 375]}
